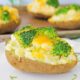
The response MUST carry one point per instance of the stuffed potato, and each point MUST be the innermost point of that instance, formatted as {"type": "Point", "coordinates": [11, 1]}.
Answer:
{"type": "Point", "coordinates": [40, 50]}
{"type": "Point", "coordinates": [43, 8]}
{"type": "Point", "coordinates": [9, 19]}
{"type": "Point", "coordinates": [67, 17]}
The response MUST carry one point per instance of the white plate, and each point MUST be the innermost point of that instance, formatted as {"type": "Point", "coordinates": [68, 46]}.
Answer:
{"type": "Point", "coordinates": [7, 71]}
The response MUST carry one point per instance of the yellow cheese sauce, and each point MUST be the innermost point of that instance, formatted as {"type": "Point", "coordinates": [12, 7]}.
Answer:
{"type": "Point", "coordinates": [40, 7]}
{"type": "Point", "coordinates": [70, 16]}
{"type": "Point", "coordinates": [13, 13]}
{"type": "Point", "coordinates": [40, 51]}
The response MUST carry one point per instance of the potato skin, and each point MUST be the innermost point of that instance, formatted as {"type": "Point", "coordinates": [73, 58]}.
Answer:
{"type": "Point", "coordinates": [39, 16]}
{"type": "Point", "coordinates": [9, 27]}
{"type": "Point", "coordinates": [28, 65]}
{"type": "Point", "coordinates": [73, 24]}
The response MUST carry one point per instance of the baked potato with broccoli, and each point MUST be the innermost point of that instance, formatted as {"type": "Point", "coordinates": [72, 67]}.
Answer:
{"type": "Point", "coordinates": [42, 8]}
{"type": "Point", "coordinates": [40, 50]}
{"type": "Point", "coordinates": [9, 19]}
{"type": "Point", "coordinates": [67, 17]}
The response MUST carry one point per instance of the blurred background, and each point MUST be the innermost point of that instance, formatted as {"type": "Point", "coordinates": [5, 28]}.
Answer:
{"type": "Point", "coordinates": [24, 2]}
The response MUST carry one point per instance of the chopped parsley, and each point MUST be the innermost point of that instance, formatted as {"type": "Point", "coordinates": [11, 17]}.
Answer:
{"type": "Point", "coordinates": [54, 3]}
{"type": "Point", "coordinates": [61, 48]}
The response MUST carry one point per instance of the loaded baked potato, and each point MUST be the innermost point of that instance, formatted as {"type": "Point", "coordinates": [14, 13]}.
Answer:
{"type": "Point", "coordinates": [67, 17]}
{"type": "Point", "coordinates": [9, 19]}
{"type": "Point", "coordinates": [43, 8]}
{"type": "Point", "coordinates": [40, 50]}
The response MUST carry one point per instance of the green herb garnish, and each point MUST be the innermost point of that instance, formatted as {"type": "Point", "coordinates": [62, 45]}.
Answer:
{"type": "Point", "coordinates": [54, 3]}
{"type": "Point", "coordinates": [61, 48]}
{"type": "Point", "coordinates": [5, 16]}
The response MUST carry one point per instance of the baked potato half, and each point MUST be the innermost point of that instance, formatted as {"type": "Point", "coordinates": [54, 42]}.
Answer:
{"type": "Point", "coordinates": [42, 8]}
{"type": "Point", "coordinates": [9, 19]}
{"type": "Point", "coordinates": [40, 50]}
{"type": "Point", "coordinates": [67, 17]}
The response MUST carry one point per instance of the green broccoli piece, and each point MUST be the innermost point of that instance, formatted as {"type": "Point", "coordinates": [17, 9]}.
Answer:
{"type": "Point", "coordinates": [54, 3]}
{"type": "Point", "coordinates": [25, 28]}
{"type": "Point", "coordinates": [5, 16]}
{"type": "Point", "coordinates": [25, 35]}
{"type": "Point", "coordinates": [1, 7]}
{"type": "Point", "coordinates": [61, 48]}
{"type": "Point", "coordinates": [65, 9]}
{"type": "Point", "coordinates": [47, 31]}
{"type": "Point", "coordinates": [75, 6]}
{"type": "Point", "coordinates": [62, 10]}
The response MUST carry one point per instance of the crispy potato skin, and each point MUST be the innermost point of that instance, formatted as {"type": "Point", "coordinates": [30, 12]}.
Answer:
{"type": "Point", "coordinates": [38, 15]}
{"type": "Point", "coordinates": [74, 24]}
{"type": "Point", "coordinates": [28, 65]}
{"type": "Point", "coordinates": [9, 27]}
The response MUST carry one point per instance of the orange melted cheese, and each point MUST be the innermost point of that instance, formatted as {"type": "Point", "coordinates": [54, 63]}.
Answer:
{"type": "Point", "coordinates": [42, 40]}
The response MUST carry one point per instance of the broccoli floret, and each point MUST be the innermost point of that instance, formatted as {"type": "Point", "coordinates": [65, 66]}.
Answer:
{"type": "Point", "coordinates": [27, 37]}
{"type": "Point", "coordinates": [25, 28]}
{"type": "Point", "coordinates": [5, 16]}
{"type": "Point", "coordinates": [61, 48]}
{"type": "Point", "coordinates": [28, 27]}
{"type": "Point", "coordinates": [75, 6]}
{"type": "Point", "coordinates": [54, 3]}
{"type": "Point", "coordinates": [48, 31]}
{"type": "Point", "coordinates": [64, 10]}
{"type": "Point", "coordinates": [1, 7]}
{"type": "Point", "coordinates": [27, 34]}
